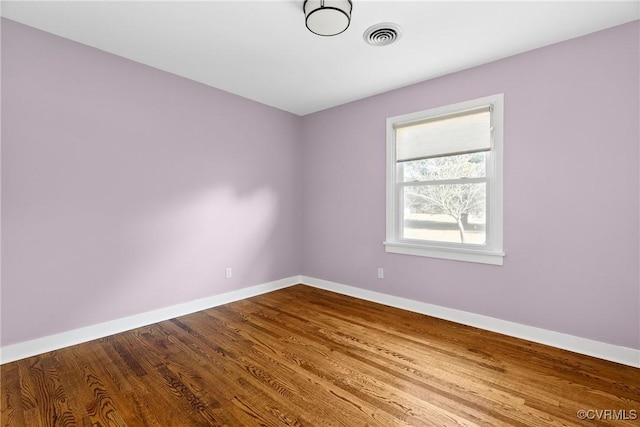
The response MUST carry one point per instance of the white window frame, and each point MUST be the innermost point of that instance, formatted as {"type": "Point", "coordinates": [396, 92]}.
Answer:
{"type": "Point", "coordinates": [490, 253]}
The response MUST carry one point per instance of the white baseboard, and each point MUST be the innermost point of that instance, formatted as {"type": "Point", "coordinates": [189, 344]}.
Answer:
{"type": "Point", "coordinates": [614, 353]}
{"type": "Point", "coordinates": [25, 349]}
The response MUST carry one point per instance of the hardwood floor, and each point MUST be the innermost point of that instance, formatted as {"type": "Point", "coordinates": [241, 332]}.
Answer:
{"type": "Point", "coordinates": [306, 357]}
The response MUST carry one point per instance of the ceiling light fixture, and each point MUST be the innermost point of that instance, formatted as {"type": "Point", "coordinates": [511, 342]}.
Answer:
{"type": "Point", "coordinates": [327, 17]}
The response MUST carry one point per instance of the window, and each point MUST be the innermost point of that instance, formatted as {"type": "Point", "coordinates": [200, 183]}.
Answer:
{"type": "Point", "coordinates": [444, 182]}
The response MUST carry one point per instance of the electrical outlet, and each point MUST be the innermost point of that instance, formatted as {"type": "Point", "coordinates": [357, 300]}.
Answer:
{"type": "Point", "coordinates": [228, 273]}
{"type": "Point", "coordinates": [380, 273]}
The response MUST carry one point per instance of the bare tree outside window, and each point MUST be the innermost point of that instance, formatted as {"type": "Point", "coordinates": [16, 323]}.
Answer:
{"type": "Point", "coordinates": [440, 189]}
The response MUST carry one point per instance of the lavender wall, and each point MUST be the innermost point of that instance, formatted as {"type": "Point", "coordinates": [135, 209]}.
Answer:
{"type": "Point", "coordinates": [126, 189]}
{"type": "Point", "coordinates": [571, 192]}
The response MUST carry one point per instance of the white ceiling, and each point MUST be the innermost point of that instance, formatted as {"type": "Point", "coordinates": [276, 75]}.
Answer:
{"type": "Point", "coordinates": [262, 50]}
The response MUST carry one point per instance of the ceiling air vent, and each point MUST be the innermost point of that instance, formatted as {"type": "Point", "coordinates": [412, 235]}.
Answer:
{"type": "Point", "coordinates": [382, 34]}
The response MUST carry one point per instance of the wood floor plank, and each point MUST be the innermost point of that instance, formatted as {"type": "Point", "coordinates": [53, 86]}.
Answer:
{"type": "Point", "coordinates": [403, 365]}
{"type": "Point", "coordinates": [245, 361]}
{"type": "Point", "coordinates": [361, 373]}
{"type": "Point", "coordinates": [333, 383]}
{"type": "Point", "coordinates": [11, 407]}
{"type": "Point", "coordinates": [307, 357]}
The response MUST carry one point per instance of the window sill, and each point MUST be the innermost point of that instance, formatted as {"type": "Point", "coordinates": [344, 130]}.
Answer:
{"type": "Point", "coordinates": [458, 254]}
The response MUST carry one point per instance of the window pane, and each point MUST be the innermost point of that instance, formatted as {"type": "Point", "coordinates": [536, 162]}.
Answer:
{"type": "Point", "coordinates": [454, 213]}
{"type": "Point", "coordinates": [449, 167]}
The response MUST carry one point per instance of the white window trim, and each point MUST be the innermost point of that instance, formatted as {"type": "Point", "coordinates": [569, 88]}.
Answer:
{"type": "Point", "coordinates": [492, 252]}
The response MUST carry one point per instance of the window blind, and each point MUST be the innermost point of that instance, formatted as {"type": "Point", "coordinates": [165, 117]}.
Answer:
{"type": "Point", "coordinates": [459, 133]}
